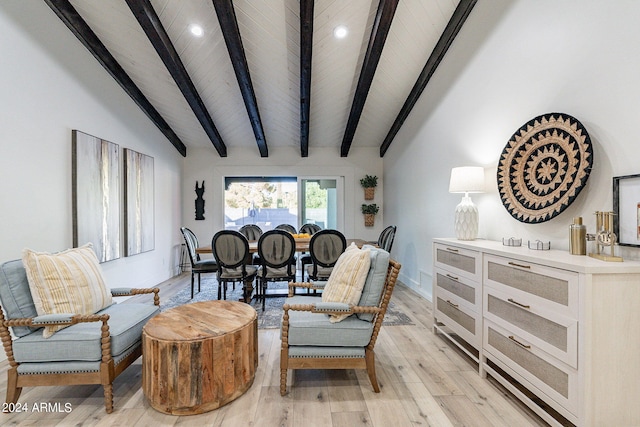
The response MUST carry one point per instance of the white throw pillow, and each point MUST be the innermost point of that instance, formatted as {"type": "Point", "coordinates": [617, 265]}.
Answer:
{"type": "Point", "coordinates": [347, 279]}
{"type": "Point", "coordinates": [66, 282]}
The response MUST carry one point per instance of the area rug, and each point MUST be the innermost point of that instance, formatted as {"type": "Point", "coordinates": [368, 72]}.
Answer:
{"type": "Point", "coordinates": [271, 317]}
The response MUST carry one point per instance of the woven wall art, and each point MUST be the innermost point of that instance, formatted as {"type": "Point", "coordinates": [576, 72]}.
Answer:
{"type": "Point", "coordinates": [544, 166]}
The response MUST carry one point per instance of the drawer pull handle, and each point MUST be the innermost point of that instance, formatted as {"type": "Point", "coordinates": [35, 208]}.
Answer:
{"type": "Point", "coordinates": [519, 343]}
{"type": "Point", "coordinates": [452, 250]}
{"type": "Point", "coordinates": [452, 304]}
{"type": "Point", "coordinates": [519, 265]}
{"type": "Point", "coordinates": [452, 277]}
{"type": "Point", "coordinates": [512, 301]}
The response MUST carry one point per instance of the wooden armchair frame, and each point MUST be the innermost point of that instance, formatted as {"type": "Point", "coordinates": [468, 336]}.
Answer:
{"type": "Point", "coordinates": [368, 362]}
{"type": "Point", "coordinates": [108, 370]}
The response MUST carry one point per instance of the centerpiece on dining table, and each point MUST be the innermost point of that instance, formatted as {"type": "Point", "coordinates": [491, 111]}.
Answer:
{"type": "Point", "coordinates": [301, 237]}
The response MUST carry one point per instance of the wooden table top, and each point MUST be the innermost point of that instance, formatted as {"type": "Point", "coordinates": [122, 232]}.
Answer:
{"type": "Point", "coordinates": [302, 245]}
{"type": "Point", "coordinates": [190, 322]}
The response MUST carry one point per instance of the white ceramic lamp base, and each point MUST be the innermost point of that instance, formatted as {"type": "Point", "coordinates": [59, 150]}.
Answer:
{"type": "Point", "coordinates": [466, 220]}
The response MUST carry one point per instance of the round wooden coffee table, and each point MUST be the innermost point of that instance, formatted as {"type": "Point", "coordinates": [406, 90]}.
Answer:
{"type": "Point", "coordinates": [198, 357]}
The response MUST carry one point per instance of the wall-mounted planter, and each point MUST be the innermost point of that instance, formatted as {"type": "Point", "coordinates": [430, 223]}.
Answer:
{"type": "Point", "coordinates": [369, 212]}
{"type": "Point", "coordinates": [369, 220]}
{"type": "Point", "coordinates": [369, 183]}
{"type": "Point", "coordinates": [369, 193]}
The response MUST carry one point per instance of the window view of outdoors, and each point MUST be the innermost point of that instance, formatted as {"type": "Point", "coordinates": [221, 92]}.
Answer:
{"type": "Point", "coordinates": [264, 203]}
{"type": "Point", "coordinates": [269, 202]}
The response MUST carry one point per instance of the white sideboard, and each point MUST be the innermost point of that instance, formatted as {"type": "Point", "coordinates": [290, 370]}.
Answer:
{"type": "Point", "coordinates": [562, 327]}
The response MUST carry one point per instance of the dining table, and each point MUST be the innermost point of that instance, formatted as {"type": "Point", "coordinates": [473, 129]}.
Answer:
{"type": "Point", "coordinates": [302, 245]}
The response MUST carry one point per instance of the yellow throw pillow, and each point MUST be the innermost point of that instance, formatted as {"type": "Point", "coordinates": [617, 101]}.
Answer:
{"type": "Point", "coordinates": [66, 282]}
{"type": "Point", "coordinates": [347, 279]}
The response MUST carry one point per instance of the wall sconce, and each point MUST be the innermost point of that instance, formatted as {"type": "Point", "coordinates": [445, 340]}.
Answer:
{"type": "Point", "coordinates": [466, 179]}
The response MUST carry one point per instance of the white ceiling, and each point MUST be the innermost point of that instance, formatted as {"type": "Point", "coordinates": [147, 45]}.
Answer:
{"type": "Point", "coordinates": [270, 31]}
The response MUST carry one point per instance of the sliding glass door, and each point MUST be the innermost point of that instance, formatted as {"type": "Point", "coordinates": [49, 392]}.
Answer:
{"type": "Point", "coordinates": [321, 201]}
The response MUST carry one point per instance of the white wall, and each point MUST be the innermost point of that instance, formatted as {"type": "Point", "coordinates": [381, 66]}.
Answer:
{"type": "Point", "coordinates": [513, 61]}
{"type": "Point", "coordinates": [205, 164]}
{"type": "Point", "coordinates": [49, 85]}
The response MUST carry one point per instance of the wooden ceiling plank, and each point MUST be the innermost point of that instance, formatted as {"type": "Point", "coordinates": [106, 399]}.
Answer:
{"type": "Point", "coordinates": [72, 19]}
{"type": "Point", "coordinates": [379, 32]}
{"type": "Point", "coordinates": [231, 32]}
{"type": "Point", "coordinates": [444, 42]}
{"type": "Point", "coordinates": [306, 47]}
{"type": "Point", "coordinates": [157, 35]}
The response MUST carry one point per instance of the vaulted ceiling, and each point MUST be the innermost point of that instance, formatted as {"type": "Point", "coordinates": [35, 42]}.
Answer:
{"type": "Point", "coordinates": [270, 73]}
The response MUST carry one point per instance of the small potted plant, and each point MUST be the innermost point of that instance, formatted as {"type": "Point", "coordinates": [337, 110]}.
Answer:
{"type": "Point", "coordinates": [369, 212]}
{"type": "Point", "coordinates": [369, 183]}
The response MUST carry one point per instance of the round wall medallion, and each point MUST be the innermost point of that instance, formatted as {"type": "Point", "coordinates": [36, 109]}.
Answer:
{"type": "Point", "coordinates": [544, 166]}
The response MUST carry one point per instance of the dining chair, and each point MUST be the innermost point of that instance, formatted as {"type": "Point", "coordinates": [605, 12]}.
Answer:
{"type": "Point", "coordinates": [231, 249]}
{"type": "Point", "coordinates": [252, 232]}
{"type": "Point", "coordinates": [325, 247]}
{"type": "Point", "coordinates": [309, 229]}
{"type": "Point", "coordinates": [277, 251]}
{"type": "Point", "coordinates": [287, 227]}
{"type": "Point", "coordinates": [385, 240]}
{"type": "Point", "coordinates": [198, 265]}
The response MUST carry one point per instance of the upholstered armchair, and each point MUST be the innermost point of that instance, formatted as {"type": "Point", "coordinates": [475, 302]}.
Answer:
{"type": "Point", "coordinates": [310, 340]}
{"type": "Point", "coordinates": [91, 349]}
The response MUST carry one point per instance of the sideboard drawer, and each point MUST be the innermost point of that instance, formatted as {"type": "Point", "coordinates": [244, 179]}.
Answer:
{"type": "Point", "coordinates": [555, 288]}
{"type": "Point", "coordinates": [459, 261]}
{"type": "Point", "coordinates": [551, 332]}
{"type": "Point", "coordinates": [467, 290]}
{"type": "Point", "coordinates": [516, 355]}
{"type": "Point", "coordinates": [458, 318]}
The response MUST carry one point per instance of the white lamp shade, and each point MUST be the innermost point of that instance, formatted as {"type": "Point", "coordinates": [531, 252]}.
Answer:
{"type": "Point", "coordinates": [467, 179]}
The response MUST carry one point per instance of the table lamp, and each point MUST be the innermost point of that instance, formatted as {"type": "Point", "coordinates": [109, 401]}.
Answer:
{"type": "Point", "coordinates": [466, 179]}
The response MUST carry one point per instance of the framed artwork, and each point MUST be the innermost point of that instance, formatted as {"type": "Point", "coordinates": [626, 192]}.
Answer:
{"type": "Point", "coordinates": [626, 209]}
{"type": "Point", "coordinates": [139, 217]}
{"type": "Point", "coordinates": [96, 194]}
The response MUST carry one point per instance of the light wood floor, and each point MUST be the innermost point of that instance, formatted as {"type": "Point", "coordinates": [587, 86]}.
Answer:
{"type": "Point", "coordinates": [424, 382]}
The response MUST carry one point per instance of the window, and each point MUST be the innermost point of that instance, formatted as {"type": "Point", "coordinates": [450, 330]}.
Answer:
{"type": "Point", "coordinates": [271, 201]}
{"type": "Point", "coordinates": [264, 201]}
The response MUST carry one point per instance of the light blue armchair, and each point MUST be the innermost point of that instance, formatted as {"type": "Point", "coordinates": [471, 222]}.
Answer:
{"type": "Point", "coordinates": [311, 341]}
{"type": "Point", "coordinates": [95, 349]}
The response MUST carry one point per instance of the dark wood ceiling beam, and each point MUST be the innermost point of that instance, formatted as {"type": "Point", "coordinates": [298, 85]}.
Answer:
{"type": "Point", "coordinates": [67, 14]}
{"type": "Point", "coordinates": [153, 28]}
{"type": "Point", "coordinates": [446, 39]}
{"type": "Point", "coordinates": [379, 32]}
{"type": "Point", "coordinates": [306, 45]}
{"type": "Point", "coordinates": [231, 32]}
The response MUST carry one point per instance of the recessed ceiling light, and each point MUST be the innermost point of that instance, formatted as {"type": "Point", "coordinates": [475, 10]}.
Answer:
{"type": "Point", "coordinates": [196, 30]}
{"type": "Point", "coordinates": [340, 32]}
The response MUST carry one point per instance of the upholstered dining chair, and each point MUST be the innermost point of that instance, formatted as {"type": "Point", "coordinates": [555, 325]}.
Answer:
{"type": "Point", "coordinates": [286, 227]}
{"type": "Point", "coordinates": [277, 251]}
{"type": "Point", "coordinates": [325, 247]}
{"type": "Point", "coordinates": [198, 265]}
{"type": "Point", "coordinates": [231, 249]}
{"type": "Point", "coordinates": [309, 229]}
{"type": "Point", "coordinates": [385, 240]}
{"type": "Point", "coordinates": [252, 232]}
{"type": "Point", "coordinates": [310, 340]}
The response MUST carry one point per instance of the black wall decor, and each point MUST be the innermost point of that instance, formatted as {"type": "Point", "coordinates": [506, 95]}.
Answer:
{"type": "Point", "coordinates": [544, 166]}
{"type": "Point", "coordinates": [199, 201]}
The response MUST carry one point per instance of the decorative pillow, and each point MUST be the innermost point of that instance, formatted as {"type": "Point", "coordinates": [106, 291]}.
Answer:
{"type": "Point", "coordinates": [347, 279]}
{"type": "Point", "coordinates": [66, 282]}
